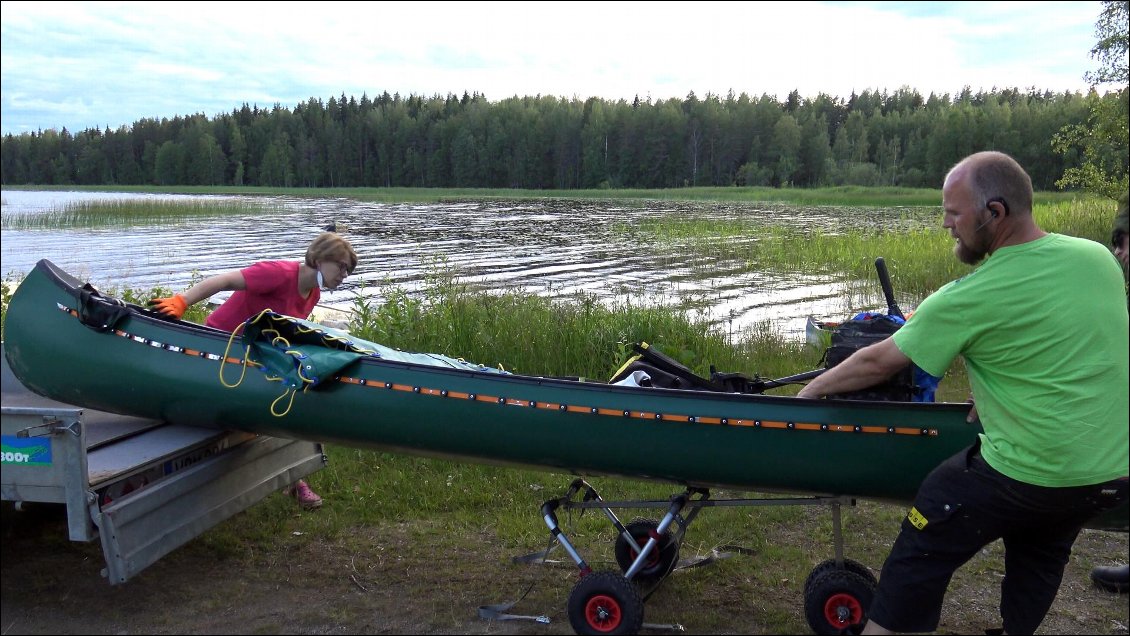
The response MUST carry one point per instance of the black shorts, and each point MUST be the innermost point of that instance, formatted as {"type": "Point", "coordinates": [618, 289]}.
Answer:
{"type": "Point", "coordinates": [964, 505]}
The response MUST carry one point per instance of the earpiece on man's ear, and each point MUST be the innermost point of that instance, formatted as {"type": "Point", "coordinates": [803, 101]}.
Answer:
{"type": "Point", "coordinates": [994, 213]}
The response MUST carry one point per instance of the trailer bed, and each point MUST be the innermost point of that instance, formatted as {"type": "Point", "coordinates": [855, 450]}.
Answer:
{"type": "Point", "coordinates": [144, 487]}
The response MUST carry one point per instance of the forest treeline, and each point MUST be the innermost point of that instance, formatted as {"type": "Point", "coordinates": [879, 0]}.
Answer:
{"type": "Point", "coordinates": [872, 139]}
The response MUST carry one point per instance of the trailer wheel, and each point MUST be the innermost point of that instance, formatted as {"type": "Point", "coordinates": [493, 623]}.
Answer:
{"type": "Point", "coordinates": [605, 603]}
{"type": "Point", "coordinates": [836, 602]}
{"type": "Point", "coordinates": [660, 561]}
{"type": "Point", "coordinates": [849, 565]}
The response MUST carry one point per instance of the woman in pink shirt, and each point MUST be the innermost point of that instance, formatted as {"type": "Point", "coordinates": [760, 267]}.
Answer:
{"type": "Point", "coordinates": [286, 287]}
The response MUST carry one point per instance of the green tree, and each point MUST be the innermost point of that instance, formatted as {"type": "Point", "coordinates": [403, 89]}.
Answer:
{"type": "Point", "coordinates": [786, 148]}
{"type": "Point", "coordinates": [1103, 139]}
{"type": "Point", "coordinates": [204, 161]}
{"type": "Point", "coordinates": [169, 168]}
{"type": "Point", "coordinates": [548, 142]}
{"type": "Point", "coordinates": [90, 165]}
{"type": "Point", "coordinates": [277, 169]}
{"type": "Point", "coordinates": [841, 147]}
{"type": "Point", "coordinates": [14, 153]}
{"type": "Point", "coordinates": [815, 153]}
{"type": "Point", "coordinates": [594, 144]}
{"type": "Point", "coordinates": [119, 153]}
{"type": "Point", "coordinates": [1111, 49]}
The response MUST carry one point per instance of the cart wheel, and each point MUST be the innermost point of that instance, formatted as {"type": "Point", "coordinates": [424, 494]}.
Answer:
{"type": "Point", "coordinates": [605, 603]}
{"type": "Point", "coordinates": [836, 602]}
{"type": "Point", "coordinates": [849, 565]}
{"type": "Point", "coordinates": [660, 561]}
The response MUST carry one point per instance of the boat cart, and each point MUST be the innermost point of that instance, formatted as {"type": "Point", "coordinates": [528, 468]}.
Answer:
{"type": "Point", "coordinates": [837, 592]}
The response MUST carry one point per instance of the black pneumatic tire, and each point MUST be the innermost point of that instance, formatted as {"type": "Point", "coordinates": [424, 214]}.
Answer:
{"type": "Point", "coordinates": [605, 603]}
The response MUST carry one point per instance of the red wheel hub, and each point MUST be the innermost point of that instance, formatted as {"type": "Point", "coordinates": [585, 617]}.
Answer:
{"type": "Point", "coordinates": [841, 610]}
{"type": "Point", "coordinates": [653, 556]}
{"type": "Point", "coordinates": [603, 613]}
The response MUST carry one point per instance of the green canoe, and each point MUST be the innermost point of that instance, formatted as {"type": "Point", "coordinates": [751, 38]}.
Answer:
{"type": "Point", "coordinates": [68, 342]}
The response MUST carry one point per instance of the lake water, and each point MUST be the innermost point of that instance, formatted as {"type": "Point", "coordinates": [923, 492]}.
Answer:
{"type": "Point", "coordinates": [551, 247]}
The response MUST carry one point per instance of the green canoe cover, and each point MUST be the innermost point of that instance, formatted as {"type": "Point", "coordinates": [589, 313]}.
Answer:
{"type": "Point", "coordinates": [303, 354]}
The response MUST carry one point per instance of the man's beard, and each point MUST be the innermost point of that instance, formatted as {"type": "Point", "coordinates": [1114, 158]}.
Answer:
{"type": "Point", "coordinates": [975, 252]}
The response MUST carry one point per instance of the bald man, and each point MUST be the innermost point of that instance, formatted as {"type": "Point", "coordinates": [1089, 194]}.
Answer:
{"type": "Point", "coordinates": [1042, 326]}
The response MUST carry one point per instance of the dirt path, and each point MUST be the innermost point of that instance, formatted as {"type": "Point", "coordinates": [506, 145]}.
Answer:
{"type": "Point", "coordinates": [52, 586]}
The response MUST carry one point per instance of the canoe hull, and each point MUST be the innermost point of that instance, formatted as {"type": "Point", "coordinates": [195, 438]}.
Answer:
{"type": "Point", "coordinates": [150, 366]}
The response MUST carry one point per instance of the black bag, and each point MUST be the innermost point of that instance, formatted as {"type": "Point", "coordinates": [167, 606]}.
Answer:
{"type": "Point", "coordinates": [853, 335]}
{"type": "Point", "coordinates": [665, 372]}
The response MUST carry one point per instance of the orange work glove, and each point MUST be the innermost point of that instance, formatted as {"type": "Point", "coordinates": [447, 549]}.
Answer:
{"type": "Point", "coordinates": [172, 307]}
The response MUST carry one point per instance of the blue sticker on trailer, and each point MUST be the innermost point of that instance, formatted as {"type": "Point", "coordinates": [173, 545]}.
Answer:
{"type": "Point", "coordinates": [25, 451]}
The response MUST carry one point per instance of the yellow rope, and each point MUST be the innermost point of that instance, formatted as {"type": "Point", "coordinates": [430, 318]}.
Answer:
{"type": "Point", "coordinates": [246, 354]}
{"type": "Point", "coordinates": [288, 406]}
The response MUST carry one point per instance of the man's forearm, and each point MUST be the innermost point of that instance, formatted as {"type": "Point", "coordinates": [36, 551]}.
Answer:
{"type": "Point", "coordinates": [867, 367]}
{"type": "Point", "coordinates": [849, 375]}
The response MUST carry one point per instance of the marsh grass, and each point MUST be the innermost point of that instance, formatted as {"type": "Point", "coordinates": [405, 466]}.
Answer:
{"type": "Point", "coordinates": [131, 212]}
{"type": "Point", "coordinates": [920, 259]}
{"type": "Point", "coordinates": [575, 336]}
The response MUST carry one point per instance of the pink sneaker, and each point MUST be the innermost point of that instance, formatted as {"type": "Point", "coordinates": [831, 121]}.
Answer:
{"type": "Point", "coordinates": [307, 498]}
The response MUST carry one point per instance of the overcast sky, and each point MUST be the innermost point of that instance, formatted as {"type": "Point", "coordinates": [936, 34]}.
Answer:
{"type": "Point", "coordinates": [108, 64]}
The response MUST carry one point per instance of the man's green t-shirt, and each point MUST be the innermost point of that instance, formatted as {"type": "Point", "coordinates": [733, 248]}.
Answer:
{"type": "Point", "coordinates": [1044, 333]}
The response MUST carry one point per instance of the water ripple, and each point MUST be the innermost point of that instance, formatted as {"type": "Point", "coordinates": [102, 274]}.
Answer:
{"type": "Point", "coordinates": [552, 247]}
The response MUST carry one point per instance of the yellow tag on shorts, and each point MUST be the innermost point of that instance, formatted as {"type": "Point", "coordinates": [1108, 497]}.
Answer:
{"type": "Point", "coordinates": [916, 519]}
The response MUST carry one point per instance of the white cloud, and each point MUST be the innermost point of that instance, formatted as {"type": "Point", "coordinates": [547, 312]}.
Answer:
{"type": "Point", "coordinates": [112, 63]}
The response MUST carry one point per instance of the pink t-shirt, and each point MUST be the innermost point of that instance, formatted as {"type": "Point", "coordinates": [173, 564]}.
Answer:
{"type": "Point", "coordinates": [270, 285]}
